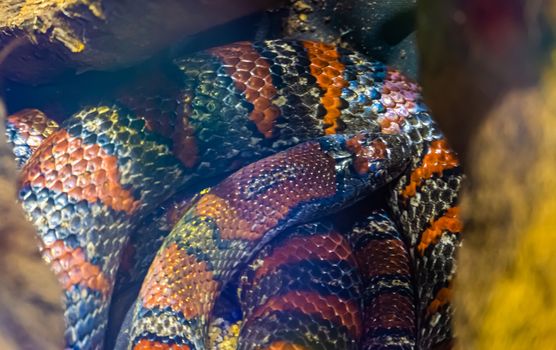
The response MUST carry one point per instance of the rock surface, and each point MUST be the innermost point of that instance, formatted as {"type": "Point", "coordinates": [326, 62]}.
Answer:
{"type": "Point", "coordinates": [79, 35]}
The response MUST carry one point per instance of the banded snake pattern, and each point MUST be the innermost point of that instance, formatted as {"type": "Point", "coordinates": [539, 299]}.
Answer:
{"type": "Point", "coordinates": [306, 130]}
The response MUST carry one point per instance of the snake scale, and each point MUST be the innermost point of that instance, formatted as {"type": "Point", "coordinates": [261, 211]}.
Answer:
{"type": "Point", "coordinates": [305, 129]}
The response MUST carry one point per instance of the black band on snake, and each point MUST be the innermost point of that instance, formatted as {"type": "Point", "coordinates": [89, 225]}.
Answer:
{"type": "Point", "coordinates": [307, 129]}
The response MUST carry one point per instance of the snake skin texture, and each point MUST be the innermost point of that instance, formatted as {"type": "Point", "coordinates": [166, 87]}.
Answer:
{"type": "Point", "coordinates": [217, 234]}
{"type": "Point", "coordinates": [26, 131]}
{"type": "Point", "coordinates": [92, 180]}
{"type": "Point", "coordinates": [389, 291]}
{"type": "Point", "coordinates": [303, 290]}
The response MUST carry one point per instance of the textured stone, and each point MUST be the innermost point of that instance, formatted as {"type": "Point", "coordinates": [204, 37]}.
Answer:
{"type": "Point", "coordinates": [78, 35]}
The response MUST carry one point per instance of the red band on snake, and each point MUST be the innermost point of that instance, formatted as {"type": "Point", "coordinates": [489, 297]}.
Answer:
{"type": "Point", "coordinates": [89, 184]}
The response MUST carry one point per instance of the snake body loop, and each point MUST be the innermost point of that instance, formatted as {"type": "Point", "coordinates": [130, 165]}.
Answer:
{"type": "Point", "coordinates": [91, 181]}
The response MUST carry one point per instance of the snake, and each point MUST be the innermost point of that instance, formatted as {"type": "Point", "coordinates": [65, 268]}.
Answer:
{"type": "Point", "coordinates": [296, 132]}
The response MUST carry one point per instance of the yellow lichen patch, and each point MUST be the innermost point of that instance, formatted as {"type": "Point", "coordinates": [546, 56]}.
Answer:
{"type": "Point", "coordinates": [41, 16]}
{"type": "Point", "coordinates": [522, 311]}
{"type": "Point", "coordinates": [518, 304]}
{"type": "Point", "coordinates": [69, 40]}
{"type": "Point", "coordinates": [31, 8]}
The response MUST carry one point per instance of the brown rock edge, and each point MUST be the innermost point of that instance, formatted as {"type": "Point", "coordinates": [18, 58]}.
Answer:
{"type": "Point", "coordinates": [31, 315]}
{"type": "Point", "coordinates": [78, 35]}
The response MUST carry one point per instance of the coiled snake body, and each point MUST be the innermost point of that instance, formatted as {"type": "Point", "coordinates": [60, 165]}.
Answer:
{"type": "Point", "coordinates": [344, 127]}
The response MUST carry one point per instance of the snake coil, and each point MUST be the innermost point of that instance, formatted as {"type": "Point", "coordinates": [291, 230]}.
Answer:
{"type": "Point", "coordinates": [307, 129]}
